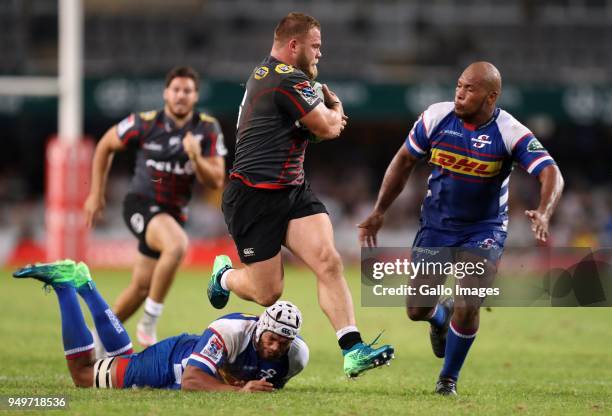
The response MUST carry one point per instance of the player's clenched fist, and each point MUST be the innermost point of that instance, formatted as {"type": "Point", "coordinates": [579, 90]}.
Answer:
{"type": "Point", "coordinates": [191, 145]}
{"type": "Point", "coordinates": [257, 385]}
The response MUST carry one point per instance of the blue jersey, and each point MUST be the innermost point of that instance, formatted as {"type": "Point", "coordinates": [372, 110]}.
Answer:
{"type": "Point", "coordinates": [468, 187]}
{"type": "Point", "coordinates": [225, 350]}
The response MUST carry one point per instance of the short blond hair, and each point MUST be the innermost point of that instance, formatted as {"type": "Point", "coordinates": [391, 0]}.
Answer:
{"type": "Point", "coordinates": [294, 25]}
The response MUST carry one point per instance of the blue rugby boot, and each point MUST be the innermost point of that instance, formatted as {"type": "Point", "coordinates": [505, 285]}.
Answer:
{"type": "Point", "coordinates": [218, 296]}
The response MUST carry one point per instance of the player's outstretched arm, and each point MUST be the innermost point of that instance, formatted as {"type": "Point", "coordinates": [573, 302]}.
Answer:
{"type": "Point", "coordinates": [551, 187]}
{"type": "Point", "coordinates": [393, 183]}
{"type": "Point", "coordinates": [326, 120]}
{"type": "Point", "coordinates": [102, 161]}
{"type": "Point", "coordinates": [195, 379]}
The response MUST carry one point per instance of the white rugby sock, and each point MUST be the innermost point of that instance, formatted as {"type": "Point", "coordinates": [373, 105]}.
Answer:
{"type": "Point", "coordinates": [343, 331]}
{"type": "Point", "coordinates": [153, 311]}
{"type": "Point", "coordinates": [223, 280]}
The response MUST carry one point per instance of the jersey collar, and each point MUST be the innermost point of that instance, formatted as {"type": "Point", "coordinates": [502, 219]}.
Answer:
{"type": "Point", "coordinates": [473, 127]}
{"type": "Point", "coordinates": [170, 125]}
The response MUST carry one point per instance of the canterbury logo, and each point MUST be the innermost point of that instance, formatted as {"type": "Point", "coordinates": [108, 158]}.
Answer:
{"type": "Point", "coordinates": [464, 164]}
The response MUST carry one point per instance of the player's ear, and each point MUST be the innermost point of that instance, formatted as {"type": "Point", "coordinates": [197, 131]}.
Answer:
{"type": "Point", "coordinates": [293, 45]}
{"type": "Point", "coordinates": [493, 96]}
{"type": "Point", "coordinates": [165, 94]}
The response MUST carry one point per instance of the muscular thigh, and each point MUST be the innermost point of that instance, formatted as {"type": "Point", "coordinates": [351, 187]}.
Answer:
{"type": "Point", "coordinates": [311, 239]}
{"type": "Point", "coordinates": [163, 231]}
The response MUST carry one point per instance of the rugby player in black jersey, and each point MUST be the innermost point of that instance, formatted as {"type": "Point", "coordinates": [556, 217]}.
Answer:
{"type": "Point", "coordinates": [174, 146]}
{"type": "Point", "coordinates": [268, 202]}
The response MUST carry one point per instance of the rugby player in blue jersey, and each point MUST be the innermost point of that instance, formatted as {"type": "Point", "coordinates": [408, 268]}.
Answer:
{"type": "Point", "coordinates": [237, 352]}
{"type": "Point", "coordinates": [471, 145]}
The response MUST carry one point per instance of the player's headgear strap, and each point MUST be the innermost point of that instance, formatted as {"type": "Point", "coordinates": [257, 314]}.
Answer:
{"type": "Point", "coordinates": [283, 318]}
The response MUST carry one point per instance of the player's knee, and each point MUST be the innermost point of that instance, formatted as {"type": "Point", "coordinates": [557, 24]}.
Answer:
{"type": "Point", "coordinates": [177, 249]}
{"type": "Point", "coordinates": [330, 262]}
{"type": "Point", "coordinates": [416, 313]}
{"type": "Point", "coordinates": [466, 316]}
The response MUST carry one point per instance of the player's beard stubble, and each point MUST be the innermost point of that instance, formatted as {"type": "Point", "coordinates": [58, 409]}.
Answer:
{"type": "Point", "coordinates": [309, 67]}
{"type": "Point", "coordinates": [180, 111]}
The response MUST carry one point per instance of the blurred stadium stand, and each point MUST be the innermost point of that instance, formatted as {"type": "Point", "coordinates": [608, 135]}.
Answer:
{"type": "Point", "coordinates": [395, 40]}
{"type": "Point", "coordinates": [557, 46]}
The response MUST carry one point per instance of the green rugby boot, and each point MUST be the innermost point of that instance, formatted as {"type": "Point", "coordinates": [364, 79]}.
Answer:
{"type": "Point", "coordinates": [218, 296]}
{"type": "Point", "coordinates": [362, 357]}
{"type": "Point", "coordinates": [82, 276]}
{"type": "Point", "coordinates": [58, 273]}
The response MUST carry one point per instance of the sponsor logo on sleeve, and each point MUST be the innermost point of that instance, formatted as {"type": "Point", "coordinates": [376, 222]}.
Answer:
{"type": "Point", "coordinates": [261, 72]}
{"type": "Point", "coordinates": [220, 146]}
{"type": "Point", "coordinates": [305, 90]}
{"type": "Point", "coordinates": [125, 124]}
{"type": "Point", "coordinates": [207, 118]}
{"type": "Point", "coordinates": [248, 252]}
{"type": "Point", "coordinates": [148, 115]}
{"type": "Point", "coordinates": [283, 69]}
{"type": "Point", "coordinates": [213, 349]}
{"type": "Point", "coordinates": [534, 145]}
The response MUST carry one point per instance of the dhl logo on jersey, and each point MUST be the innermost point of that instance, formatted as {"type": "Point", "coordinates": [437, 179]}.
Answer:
{"type": "Point", "coordinates": [464, 164]}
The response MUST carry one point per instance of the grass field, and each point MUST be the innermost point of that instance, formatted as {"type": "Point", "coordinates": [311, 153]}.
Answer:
{"type": "Point", "coordinates": [525, 360]}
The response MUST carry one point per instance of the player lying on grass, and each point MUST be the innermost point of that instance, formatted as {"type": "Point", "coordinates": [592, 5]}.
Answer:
{"type": "Point", "coordinates": [237, 352]}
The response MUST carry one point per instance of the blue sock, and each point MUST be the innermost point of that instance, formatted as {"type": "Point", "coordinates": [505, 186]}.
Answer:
{"type": "Point", "coordinates": [457, 346]}
{"type": "Point", "coordinates": [113, 335]}
{"type": "Point", "coordinates": [75, 334]}
{"type": "Point", "coordinates": [438, 317]}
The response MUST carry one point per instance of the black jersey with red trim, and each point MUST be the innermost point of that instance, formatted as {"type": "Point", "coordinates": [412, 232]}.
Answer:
{"type": "Point", "coordinates": [163, 171]}
{"type": "Point", "coordinates": [270, 142]}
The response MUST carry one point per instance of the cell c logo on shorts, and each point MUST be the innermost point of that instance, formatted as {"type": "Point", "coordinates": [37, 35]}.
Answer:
{"type": "Point", "coordinates": [248, 252]}
{"type": "Point", "coordinates": [137, 222]}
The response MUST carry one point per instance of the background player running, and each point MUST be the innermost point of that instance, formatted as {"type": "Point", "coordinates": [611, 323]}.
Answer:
{"type": "Point", "coordinates": [237, 352]}
{"type": "Point", "coordinates": [174, 145]}
{"type": "Point", "coordinates": [268, 203]}
{"type": "Point", "coordinates": [471, 145]}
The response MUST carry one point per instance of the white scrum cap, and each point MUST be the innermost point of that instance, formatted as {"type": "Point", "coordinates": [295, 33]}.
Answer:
{"type": "Point", "coordinates": [283, 318]}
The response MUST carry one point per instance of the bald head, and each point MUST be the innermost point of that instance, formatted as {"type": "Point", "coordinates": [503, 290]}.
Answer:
{"type": "Point", "coordinates": [485, 74]}
{"type": "Point", "coordinates": [478, 89]}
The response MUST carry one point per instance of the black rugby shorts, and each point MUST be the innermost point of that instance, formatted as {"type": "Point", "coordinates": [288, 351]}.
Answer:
{"type": "Point", "coordinates": [138, 212]}
{"type": "Point", "coordinates": [258, 218]}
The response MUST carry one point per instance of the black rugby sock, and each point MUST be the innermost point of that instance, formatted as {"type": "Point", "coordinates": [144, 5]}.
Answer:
{"type": "Point", "coordinates": [347, 341]}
